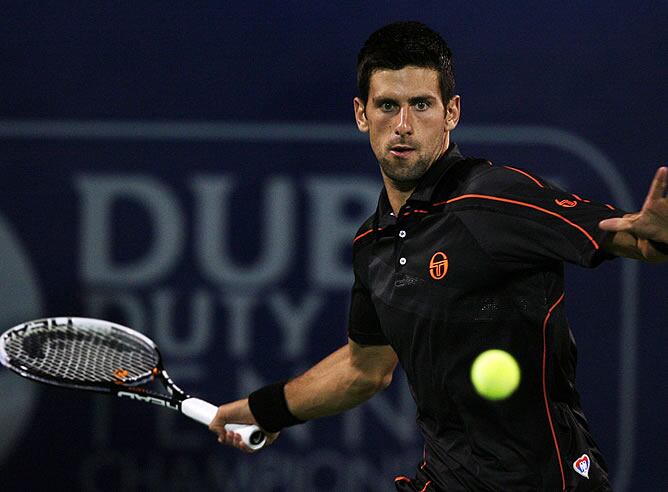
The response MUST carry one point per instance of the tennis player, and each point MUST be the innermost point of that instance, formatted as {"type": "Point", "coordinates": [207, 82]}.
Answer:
{"type": "Point", "coordinates": [461, 256]}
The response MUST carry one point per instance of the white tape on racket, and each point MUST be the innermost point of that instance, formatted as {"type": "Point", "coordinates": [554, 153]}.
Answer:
{"type": "Point", "coordinates": [204, 413]}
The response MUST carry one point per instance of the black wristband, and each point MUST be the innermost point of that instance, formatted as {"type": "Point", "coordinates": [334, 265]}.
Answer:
{"type": "Point", "coordinates": [660, 247]}
{"type": "Point", "coordinates": [270, 409]}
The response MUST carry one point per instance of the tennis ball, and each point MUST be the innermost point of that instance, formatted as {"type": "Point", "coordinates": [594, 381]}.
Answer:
{"type": "Point", "coordinates": [495, 374]}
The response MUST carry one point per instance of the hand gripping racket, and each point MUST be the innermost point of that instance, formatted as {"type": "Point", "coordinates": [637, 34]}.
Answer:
{"type": "Point", "coordinates": [96, 355]}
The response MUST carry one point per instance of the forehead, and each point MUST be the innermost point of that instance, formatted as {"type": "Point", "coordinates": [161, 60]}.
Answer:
{"type": "Point", "coordinates": [409, 81]}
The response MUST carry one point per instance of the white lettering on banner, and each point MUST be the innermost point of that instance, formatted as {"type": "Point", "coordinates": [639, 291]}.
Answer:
{"type": "Point", "coordinates": [162, 311]}
{"type": "Point", "coordinates": [323, 469]}
{"type": "Point", "coordinates": [332, 230]}
{"type": "Point", "coordinates": [294, 321]}
{"type": "Point", "coordinates": [198, 338]}
{"type": "Point", "coordinates": [240, 334]}
{"type": "Point", "coordinates": [20, 300]}
{"type": "Point", "coordinates": [98, 195]}
{"type": "Point", "coordinates": [213, 231]}
{"type": "Point", "coordinates": [215, 315]}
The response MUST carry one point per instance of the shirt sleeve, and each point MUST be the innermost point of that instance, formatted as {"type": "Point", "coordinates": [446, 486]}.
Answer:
{"type": "Point", "coordinates": [364, 325]}
{"type": "Point", "coordinates": [534, 223]}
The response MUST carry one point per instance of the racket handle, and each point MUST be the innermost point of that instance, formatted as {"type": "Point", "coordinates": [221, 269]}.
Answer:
{"type": "Point", "coordinates": [204, 413]}
{"type": "Point", "coordinates": [251, 435]}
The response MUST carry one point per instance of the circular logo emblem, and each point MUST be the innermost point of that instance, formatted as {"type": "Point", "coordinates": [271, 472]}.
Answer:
{"type": "Point", "coordinates": [566, 203]}
{"type": "Point", "coordinates": [19, 302]}
{"type": "Point", "coordinates": [438, 265]}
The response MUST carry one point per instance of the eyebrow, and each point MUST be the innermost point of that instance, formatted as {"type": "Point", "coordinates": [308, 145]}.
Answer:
{"type": "Point", "coordinates": [413, 100]}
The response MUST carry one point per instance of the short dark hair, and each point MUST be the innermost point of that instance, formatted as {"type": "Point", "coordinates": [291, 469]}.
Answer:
{"type": "Point", "coordinates": [400, 44]}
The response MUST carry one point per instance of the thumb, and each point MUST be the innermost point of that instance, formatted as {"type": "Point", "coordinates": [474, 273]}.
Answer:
{"type": "Point", "coordinates": [616, 224]}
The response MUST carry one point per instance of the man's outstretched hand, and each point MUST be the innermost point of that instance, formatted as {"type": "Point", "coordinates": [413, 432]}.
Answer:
{"type": "Point", "coordinates": [647, 227]}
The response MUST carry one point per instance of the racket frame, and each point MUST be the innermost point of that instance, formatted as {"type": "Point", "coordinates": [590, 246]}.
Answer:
{"type": "Point", "coordinates": [100, 387]}
{"type": "Point", "coordinates": [129, 389]}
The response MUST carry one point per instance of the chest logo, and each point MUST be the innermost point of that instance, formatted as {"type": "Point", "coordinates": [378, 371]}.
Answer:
{"type": "Point", "coordinates": [581, 465]}
{"type": "Point", "coordinates": [438, 265]}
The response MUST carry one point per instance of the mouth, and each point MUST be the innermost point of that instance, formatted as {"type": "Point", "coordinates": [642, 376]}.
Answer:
{"type": "Point", "coordinates": [401, 151]}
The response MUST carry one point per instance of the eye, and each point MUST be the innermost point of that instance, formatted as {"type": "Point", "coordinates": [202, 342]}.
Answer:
{"type": "Point", "coordinates": [422, 105]}
{"type": "Point", "coordinates": [387, 106]}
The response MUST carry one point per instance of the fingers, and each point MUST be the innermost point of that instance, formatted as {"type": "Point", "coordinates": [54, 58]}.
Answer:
{"type": "Point", "coordinates": [227, 437]}
{"type": "Point", "coordinates": [233, 439]}
{"type": "Point", "coordinates": [657, 189]}
{"type": "Point", "coordinates": [236, 440]}
{"type": "Point", "coordinates": [235, 412]}
{"type": "Point", "coordinates": [612, 224]}
{"type": "Point", "coordinates": [616, 225]}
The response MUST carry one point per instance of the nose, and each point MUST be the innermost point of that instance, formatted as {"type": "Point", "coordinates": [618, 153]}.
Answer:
{"type": "Point", "coordinates": [404, 125]}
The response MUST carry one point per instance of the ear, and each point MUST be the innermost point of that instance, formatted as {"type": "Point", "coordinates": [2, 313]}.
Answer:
{"type": "Point", "coordinates": [452, 113]}
{"type": "Point", "coordinates": [360, 115]}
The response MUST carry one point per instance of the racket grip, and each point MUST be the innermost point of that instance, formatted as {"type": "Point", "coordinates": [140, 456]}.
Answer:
{"type": "Point", "coordinates": [251, 435]}
{"type": "Point", "coordinates": [204, 413]}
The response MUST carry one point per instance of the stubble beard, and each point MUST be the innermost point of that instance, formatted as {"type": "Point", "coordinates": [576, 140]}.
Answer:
{"type": "Point", "coordinates": [404, 175]}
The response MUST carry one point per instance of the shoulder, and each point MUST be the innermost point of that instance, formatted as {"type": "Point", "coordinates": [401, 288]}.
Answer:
{"type": "Point", "coordinates": [364, 234]}
{"type": "Point", "coordinates": [474, 176]}
{"type": "Point", "coordinates": [499, 178]}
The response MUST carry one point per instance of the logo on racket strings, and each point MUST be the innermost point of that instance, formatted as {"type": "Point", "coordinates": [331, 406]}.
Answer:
{"type": "Point", "coordinates": [438, 265]}
{"type": "Point", "coordinates": [121, 374]}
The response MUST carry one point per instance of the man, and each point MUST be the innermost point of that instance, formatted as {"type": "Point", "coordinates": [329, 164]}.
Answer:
{"type": "Point", "coordinates": [461, 256]}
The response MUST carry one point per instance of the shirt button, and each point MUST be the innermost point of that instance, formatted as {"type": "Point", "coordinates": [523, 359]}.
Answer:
{"type": "Point", "coordinates": [402, 261]}
{"type": "Point", "coordinates": [402, 233]}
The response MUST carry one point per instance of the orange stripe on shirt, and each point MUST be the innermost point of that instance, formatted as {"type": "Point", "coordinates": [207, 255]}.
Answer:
{"type": "Point", "coordinates": [523, 204]}
{"type": "Point", "coordinates": [580, 198]}
{"type": "Point", "coordinates": [406, 479]}
{"type": "Point", "coordinates": [415, 212]}
{"type": "Point", "coordinates": [365, 233]}
{"type": "Point", "coordinates": [526, 174]}
{"type": "Point", "coordinates": [544, 383]}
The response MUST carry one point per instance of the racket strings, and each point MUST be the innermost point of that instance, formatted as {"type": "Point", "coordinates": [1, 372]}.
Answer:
{"type": "Point", "coordinates": [90, 355]}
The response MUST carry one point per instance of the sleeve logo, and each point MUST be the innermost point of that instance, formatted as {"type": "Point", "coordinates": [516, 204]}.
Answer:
{"type": "Point", "coordinates": [581, 465]}
{"type": "Point", "coordinates": [566, 203]}
{"type": "Point", "coordinates": [438, 265]}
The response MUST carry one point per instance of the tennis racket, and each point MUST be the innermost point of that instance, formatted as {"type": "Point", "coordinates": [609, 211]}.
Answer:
{"type": "Point", "coordinates": [96, 355]}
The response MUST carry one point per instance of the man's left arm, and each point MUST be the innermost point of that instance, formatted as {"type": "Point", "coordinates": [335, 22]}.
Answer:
{"type": "Point", "coordinates": [643, 235]}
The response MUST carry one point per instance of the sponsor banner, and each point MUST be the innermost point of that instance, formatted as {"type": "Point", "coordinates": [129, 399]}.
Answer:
{"type": "Point", "coordinates": [235, 258]}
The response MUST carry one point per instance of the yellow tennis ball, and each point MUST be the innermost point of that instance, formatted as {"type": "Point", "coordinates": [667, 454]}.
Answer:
{"type": "Point", "coordinates": [495, 374]}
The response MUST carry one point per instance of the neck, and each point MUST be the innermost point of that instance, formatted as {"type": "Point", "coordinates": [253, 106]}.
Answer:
{"type": "Point", "coordinates": [397, 194]}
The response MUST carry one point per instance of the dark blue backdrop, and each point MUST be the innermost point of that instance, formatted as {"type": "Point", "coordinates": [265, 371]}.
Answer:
{"type": "Point", "coordinates": [195, 172]}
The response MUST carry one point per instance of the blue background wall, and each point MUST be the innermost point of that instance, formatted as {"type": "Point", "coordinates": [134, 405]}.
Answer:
{"type": "Point", "coordinates": [195, 172]}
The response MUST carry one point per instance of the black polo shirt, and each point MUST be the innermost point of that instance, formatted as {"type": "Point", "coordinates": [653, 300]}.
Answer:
{"type": "Point", "coordinates": [474, 261]}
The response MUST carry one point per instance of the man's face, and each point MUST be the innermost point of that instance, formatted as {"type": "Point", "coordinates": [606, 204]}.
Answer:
{"type": "Point", "coordinates": [407, 122]}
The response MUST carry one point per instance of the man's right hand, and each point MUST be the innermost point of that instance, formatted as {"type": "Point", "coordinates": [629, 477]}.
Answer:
{"type": "Point", "coordinates": [237, 412]}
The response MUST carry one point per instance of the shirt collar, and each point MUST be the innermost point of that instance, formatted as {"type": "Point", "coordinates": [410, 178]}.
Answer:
{"type": "Point", "coordinates": [425, 188]}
